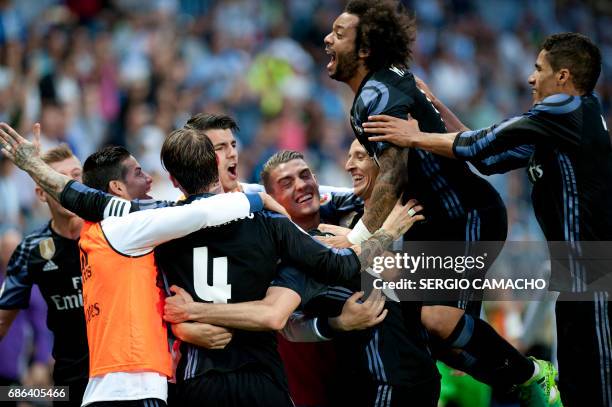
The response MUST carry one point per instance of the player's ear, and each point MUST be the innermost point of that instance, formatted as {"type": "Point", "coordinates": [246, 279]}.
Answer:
{"type": "Point", "coordinates": [175, 183]}
{"type": "Point", "coordinates": [116, 187]}
{"type": "Point", "coordinates": [40, 194]}
{"type": "Point", "coordinates": [563, 76]}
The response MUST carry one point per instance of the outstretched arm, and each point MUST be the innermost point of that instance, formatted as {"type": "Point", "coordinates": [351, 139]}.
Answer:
{"type": "Point", "coordinates": [268, 314]}
{"type": "Point", "coordinates": [337, 266]}
{"type": "Point", "coordinates": [406, 133]}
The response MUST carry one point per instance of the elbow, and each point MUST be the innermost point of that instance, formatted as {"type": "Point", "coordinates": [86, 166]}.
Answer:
{"type": "Point", "coordinates": [274, 321]}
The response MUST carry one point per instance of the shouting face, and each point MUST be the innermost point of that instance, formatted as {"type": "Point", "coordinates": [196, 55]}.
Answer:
{"type": "Point", "coordinates": [340, 46]}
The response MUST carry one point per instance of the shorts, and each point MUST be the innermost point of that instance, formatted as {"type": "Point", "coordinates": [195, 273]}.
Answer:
{"type": "Point", "coordinates": [244, 387]}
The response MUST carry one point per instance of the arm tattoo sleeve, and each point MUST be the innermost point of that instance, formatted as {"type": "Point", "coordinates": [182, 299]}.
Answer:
{"type": "Point", "coordinates": [392, 165]}
{"type": "Point", "coordinates": [51, 181]}
{"type": "Point", "coordinates": [373, 247]}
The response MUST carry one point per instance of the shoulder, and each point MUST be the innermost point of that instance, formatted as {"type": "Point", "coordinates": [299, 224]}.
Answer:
{"type": "Point", "coordinates": [560, 103]}
{"type": "Point", "coordinates": [37, 238]}
{"type": "Point", "coordinates": [385, 88]}
{"type": "Point", "coordinates": [39, 243]}
{"type": "Point", "coordinates": [251, 187]}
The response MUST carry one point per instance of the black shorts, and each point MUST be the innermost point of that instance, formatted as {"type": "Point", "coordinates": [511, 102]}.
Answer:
{"type": "Point", "coordinates": [244, 387]}
{"type": "Point", "coordinates": [478, 225]}
{"type": "Point", "coordinates": [385, 395]}
{"type": "Point", "coordinates": [584, 350]}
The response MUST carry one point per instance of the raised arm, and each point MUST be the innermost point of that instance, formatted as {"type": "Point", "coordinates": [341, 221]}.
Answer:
{"type": "Point", "coordinates": [25, 155]}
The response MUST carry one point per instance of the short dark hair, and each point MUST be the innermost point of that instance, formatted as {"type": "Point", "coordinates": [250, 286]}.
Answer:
{"type": "Point", "coordinates": [577, 53]}
{"type": "Point", "coordinates": [277, 159]}
{"type": "Point", "coordinates": [205, 121]}
{"type": "Point", "coordinates": [189, 156]}
{"type": "Point", "coordinates": [385, 30]}
{"type": "Point", "coordinates": [104, 166]}
{"type": "Point", "coordinates": [56, 154]}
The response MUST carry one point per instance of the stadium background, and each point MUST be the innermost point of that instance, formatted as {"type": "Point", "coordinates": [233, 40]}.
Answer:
{"type": "Point", "coordinates": [129, 71]}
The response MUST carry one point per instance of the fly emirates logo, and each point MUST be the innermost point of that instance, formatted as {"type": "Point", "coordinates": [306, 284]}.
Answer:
{"type": "Point", "coordinates": [72, 301]}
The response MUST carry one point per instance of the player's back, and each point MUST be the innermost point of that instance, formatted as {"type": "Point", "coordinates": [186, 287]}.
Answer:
{"type": "Point", "coordinates": [231, 263]}
{"type": "Point", "coordinates": [447, 188]}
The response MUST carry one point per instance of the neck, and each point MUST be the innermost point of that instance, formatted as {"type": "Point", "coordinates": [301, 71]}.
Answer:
{"type": "Point", "coordinates": [356, 79]}
{"type": "Point", "coordinates": [308, 223]}
{"type": "Point", "coordinates": [214, 188]}
{"type": "Point", "coordinates": [67, 226]}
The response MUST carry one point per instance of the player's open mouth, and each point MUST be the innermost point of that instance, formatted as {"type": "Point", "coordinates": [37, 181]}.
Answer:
{"type": "Point", "coordinates": [304, 199]}
{"type": "Point", "coordinates": [232, 170]}
{"type": "Point", "coordinates": [332, 58]}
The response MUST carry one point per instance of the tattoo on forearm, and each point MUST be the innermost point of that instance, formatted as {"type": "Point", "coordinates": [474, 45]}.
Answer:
{"type": "Point", "coordinates": [384, 195]}
{"type": "Point", "coordinates": [373, 247]}
{"type": "Point", "coordinates": [51, 181]}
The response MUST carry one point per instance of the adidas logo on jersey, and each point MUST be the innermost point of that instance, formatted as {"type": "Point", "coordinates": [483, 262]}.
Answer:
{"type": "Point", "coordinates": [50, 266]}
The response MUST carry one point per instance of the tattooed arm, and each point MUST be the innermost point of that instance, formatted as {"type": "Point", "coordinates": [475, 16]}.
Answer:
{"type": "Point", "coordinates": [338, 266]}
{"type": "Point", "coordinates": [24, 155]}
{"type": "Point", "coordinates": [392, 163]}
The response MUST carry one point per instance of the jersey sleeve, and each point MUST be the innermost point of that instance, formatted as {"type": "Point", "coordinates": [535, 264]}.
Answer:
{"type": "Point", "coordinates": [551, 122]}
{"type": "Point", "coordinates": [17, 286]}
{"type": "Point", "coordinates": [302, 328]}
{"type": "Point", "coordinates": [517, 157]}
{"type": "Point", "coordinates": [297, 281]}
{"type": "Point", "coordinates": [139, 233]}
{"type": "Point", "coordinates": [94, 205]}
{"type": "Point", "coordinates": [327, 265]}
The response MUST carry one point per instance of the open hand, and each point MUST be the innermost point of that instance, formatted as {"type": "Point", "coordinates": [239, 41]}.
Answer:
{"type": "Point", "coordinates": [402, 217]}
{"type": "Point", "coordinates": [402, 133]}
{"type": "Point", "coordinates": [333, 229]}
{"type": "Point", "coordinates": [272, 205]}
{"type": "Point", "coordinates": [338, 242]}
{"type": "Point", "coordinates": [18, 149]}
{"type": "Point", "coordinates": [363, 315]}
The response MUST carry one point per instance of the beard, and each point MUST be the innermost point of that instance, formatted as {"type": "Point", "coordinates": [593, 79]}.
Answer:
{"type": "Point", "coordinates": [346, 66]}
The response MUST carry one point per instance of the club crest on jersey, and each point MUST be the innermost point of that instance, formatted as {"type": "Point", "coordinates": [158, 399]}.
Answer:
{"type": "Point", "coordinates": [47, 248]}
{"type": "Point", "coordinates": [325, 199]}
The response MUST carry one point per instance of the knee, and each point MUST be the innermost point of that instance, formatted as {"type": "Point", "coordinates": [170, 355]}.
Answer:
{"type": "Point", "coordinates": [440, 321]}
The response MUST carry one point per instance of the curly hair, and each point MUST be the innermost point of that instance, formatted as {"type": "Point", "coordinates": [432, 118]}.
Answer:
{"type": "Point", "coordinates": [385, 30]}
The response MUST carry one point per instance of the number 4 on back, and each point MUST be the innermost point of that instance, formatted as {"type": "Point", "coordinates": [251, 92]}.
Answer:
{"type": "Point", "coordinates": [220, 291]}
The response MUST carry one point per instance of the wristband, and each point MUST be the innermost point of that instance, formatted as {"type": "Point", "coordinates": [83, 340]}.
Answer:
{"type": "Point", "coordinates": [322, 328]}
{"type": "Point", "coordinates": [359, 234]}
